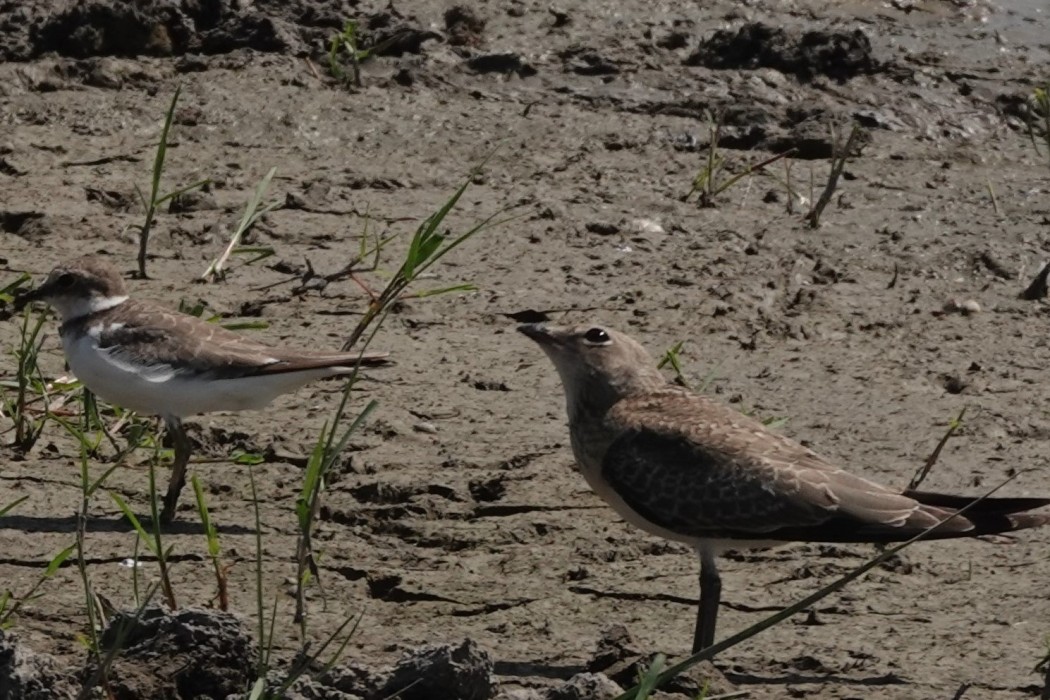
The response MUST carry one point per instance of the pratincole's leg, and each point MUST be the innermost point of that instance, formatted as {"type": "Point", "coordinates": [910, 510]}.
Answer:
{"type": "Point", "coordinates": [178, 469]}
{"type": "Point", "coordinates": [710, 595]}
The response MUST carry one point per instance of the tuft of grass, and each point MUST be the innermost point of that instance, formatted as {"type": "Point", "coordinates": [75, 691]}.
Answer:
{"type": "Point", "coordinates": [427, 246]}
{"type": "Point", "coordinates": [330, 444]}
{"type": "Point", "coordinates": [30, 383]}
{"type": "Point", "coordinates": [345, 54]}
{"type": "Point", "coordinates": [156, 199]}
{"type": "Point", "coordinates": [840, 153]}
{"type": "Point", "coordinates": [253, 211]}
{"type": "Point", "coordinates": [711, 181]}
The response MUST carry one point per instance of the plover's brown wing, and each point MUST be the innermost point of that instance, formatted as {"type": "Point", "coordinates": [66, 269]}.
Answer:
{"type": "Point", "coordinates": [167, 341]}
{"type": "Point", "coordinates": [701, 469]}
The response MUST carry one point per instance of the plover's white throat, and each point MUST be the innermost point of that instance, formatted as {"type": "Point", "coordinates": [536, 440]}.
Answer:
{"type": "Point", "coordinates": [687, 468]}
{"type": "Point", "coordinates": [156, 361]}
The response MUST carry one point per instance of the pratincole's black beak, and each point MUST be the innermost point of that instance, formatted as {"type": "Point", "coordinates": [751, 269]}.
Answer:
{"type": "Point", "coordinates": [536, 331]}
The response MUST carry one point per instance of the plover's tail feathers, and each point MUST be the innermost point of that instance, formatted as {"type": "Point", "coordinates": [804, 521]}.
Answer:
{"type": "Point", "coordinates": [298, 362]}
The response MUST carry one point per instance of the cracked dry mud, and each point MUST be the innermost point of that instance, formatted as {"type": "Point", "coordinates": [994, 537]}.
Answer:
{"type": "Point", "coordinates": [456, 524]}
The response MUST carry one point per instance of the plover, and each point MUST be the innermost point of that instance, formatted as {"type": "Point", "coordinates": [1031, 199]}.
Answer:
{"type": "Point", "coordinates": [687, 468]}
{"type": "Point", "coordinates": [156, 361]}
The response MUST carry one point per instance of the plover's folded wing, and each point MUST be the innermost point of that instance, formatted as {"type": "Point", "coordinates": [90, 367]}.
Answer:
{"type": "Point", "coordinates": [701, 469]}
{"type": "Point", "coordinates": [168, 342]}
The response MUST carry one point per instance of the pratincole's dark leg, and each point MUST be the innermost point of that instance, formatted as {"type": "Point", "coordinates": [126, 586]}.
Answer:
{"type": "Point", "coordinates": [178, 469]}
{"type": "Point", "coordinates": [710, 596]}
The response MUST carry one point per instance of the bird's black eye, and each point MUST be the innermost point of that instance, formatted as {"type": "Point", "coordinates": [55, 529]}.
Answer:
{"type": "Point", "coordinates": [64, 281]}
{"type": "Point", "coordinates": [597, 336]}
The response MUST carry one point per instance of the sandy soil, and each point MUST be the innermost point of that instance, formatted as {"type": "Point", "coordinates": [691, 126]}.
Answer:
{"type": "Point", "coordinates": [458, 514]}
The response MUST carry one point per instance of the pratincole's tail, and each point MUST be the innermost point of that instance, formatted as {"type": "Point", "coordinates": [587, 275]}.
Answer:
{"type": "Point", "coordinates": [990, 516]}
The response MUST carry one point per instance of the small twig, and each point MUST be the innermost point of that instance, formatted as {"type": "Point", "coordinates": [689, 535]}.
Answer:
{"type": "Point", "coordinates": [995, 201]}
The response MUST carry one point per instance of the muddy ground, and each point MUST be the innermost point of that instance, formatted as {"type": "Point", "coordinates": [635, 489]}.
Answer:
{"type": "Point", "coordinates": [458, 515]}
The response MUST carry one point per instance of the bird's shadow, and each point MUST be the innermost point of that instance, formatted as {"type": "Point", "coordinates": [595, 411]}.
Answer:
{"type": "Point", "coordinates": [737, 678]}
{"type": "Point", "coordinates": [34, 523]}
{"type": "Point", "coordinates": [534, 669]}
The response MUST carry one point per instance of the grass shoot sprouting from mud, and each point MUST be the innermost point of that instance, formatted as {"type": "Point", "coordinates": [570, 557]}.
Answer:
{"type": "Point", "coordinates": [253, 211]}
{"type": "Point", "coordinates": [156, 199]}
{"type": "Point", "coordinates": [427, 246]}
{"type": "Point", "coordinates": [344, 50]}
{"type": "Point", "coordinates": [30, 383]}
{"type": "Point", "coordinates": [222, 593]}
{"type": "Point", "coordinates": [711, 181]}
{"type": "Point", "coordinates": [841, 151]}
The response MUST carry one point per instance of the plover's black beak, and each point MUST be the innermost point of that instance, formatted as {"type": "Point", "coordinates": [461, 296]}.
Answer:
{"type": "Point", "coordinates": [24, 297]}
{"type": "Point", "coordinates": [539, 332]}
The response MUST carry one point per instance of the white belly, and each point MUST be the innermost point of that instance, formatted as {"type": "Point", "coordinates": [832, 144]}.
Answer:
{"type": "Point", "coordinates": [161, 391]}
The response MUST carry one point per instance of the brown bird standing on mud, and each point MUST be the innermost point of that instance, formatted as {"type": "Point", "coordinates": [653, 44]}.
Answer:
{"type": "Point", "coordinates": [687, 468]}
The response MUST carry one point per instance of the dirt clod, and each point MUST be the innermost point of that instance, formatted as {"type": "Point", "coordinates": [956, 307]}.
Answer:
{"type": "Point", "coordinates": [184, 654]}
{"type": "Point", "coordinates": [805, 54]}
{"type": "Point", "coordinates": [28, 675]}
{"type": "Point", "coordinates": [442, 671]}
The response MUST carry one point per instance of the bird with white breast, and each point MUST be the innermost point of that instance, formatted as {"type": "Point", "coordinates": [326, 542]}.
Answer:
{"type": "Point", "coordinates": [156, 361]}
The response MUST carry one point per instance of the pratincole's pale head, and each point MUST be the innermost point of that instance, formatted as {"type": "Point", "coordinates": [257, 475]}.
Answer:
{"type": "Point", "coordinates": [77, 287]}
{"type": "Point", "coordinates": [596, 360]}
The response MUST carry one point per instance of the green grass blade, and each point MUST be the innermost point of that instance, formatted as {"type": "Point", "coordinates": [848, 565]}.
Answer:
{"type": "Point", "coordinates": [134, 520]}
{"type": "Point", "coordinates": [12, 505]}
{"type": "Point", "coordinates": [162, 147]}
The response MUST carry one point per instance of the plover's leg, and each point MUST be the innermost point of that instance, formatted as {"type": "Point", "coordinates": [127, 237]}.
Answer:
{"type": "Point", "coordinates": [710, 596]}
{"type": "Point", "coordinates": [178, 468]}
